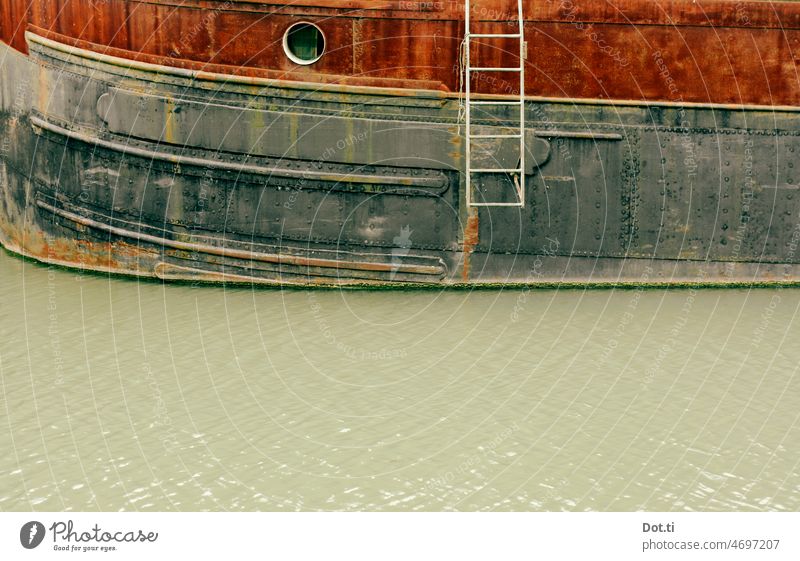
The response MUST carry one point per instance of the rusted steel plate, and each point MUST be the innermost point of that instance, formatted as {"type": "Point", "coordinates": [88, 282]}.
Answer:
{"type": "Point", "coordinates": [717, 51]}
{"type": "Point", "coordinates": [420, 266]}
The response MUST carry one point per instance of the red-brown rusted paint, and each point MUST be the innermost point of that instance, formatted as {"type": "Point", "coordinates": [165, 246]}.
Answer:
{"type": "Point", "coordinates": [245, 255]}
{"type": "Point", "coordinates": [471, 232]}
{"type": "Point", "coordinates": [247, 71]}
{"type": "Point", "coordinates": [720, 51]}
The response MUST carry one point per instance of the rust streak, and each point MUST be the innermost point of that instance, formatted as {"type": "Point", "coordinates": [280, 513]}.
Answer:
{"type": "Point", "coordinates": [243, 254]}
{"type": "Point", "coordinates": [470, 241]}
{"type": "Point", "coordinates": [642, 50]}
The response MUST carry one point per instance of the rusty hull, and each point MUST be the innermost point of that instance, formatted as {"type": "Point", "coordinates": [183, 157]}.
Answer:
{"type": "Point", "coordinates": [708, 51]}
{"type": "Point", "coordinates": [155, 139]}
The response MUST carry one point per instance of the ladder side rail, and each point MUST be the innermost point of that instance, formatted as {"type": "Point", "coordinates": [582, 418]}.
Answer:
{"type": "Point", "coordinates": [468, 79]}
{"type": "Point", "coordinates": [517, 175]}
{"type": "Point", "coordinates": [522, 60]}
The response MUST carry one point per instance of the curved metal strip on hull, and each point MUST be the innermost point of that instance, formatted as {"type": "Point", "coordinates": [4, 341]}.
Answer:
{"type": "Point", "coordinates": [111, 170]}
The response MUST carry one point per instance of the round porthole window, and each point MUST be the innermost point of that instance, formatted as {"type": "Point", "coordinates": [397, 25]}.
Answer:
{"type": "Point", "coordinates": [304, 43]}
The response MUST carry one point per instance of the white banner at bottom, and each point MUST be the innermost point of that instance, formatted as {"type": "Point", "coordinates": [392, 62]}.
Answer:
{"type": "Point", "coordinates": [400, 536]}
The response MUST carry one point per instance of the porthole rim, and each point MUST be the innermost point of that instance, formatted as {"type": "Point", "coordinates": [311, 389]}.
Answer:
{"type": "Point", "coordinates": [288, 52]}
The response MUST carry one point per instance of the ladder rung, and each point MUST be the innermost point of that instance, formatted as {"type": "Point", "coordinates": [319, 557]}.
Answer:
{"type": "Point", "coordinates": [516, 102]}
{"type": "Point", "coordinates": [493, 69]}
{"type": "Point", "coordinates": [517, 175]}
{"type": "Point", "coordinates": [520, 205]}
{"type": "Point", "coordinates": [495, 136]}
{"type": "Point", "coordinates": [496, 35]}
{"type": "Point", "coordinates": [495, 171]}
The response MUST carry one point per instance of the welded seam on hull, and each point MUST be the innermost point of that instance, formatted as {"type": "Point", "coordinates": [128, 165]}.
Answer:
{"type": "Point", "coordinates": [577, 134]}
{"type": "Point", "coordinates": [438, 183]}
{"type": "Point", "coordinates": [200, 75]}
{"type": "Point", "coordinates": [225, 78]}
{"type": "Point", "coordinates": [243, 254]}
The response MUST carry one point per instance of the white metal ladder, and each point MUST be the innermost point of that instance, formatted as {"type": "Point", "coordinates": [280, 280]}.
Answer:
{"type": "Point", "coordinates": [517, 174]}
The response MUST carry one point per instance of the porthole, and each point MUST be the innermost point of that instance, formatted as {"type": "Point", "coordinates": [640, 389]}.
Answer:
{"type": "Point", "coordinates": [304, 43]}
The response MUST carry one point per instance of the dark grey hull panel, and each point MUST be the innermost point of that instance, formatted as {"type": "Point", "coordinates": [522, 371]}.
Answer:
{"type": "Point", "coordinates": [153, 172]}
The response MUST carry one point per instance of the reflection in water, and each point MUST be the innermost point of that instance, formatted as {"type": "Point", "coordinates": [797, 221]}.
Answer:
{"type": "Point", "coordinates": [118, 394]}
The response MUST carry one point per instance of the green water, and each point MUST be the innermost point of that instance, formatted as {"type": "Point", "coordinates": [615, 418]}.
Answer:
{"type": "Point", "coordinates": [121, 395]}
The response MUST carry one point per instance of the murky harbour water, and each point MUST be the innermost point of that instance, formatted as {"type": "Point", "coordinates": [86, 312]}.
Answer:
{"type": "Point", "coordinates": [121, 395]}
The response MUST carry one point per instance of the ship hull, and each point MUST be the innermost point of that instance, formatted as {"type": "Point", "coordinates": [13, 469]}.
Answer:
{"type": "Point", "coordinates": [136, 169]}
